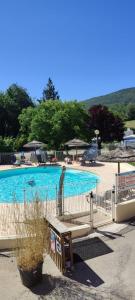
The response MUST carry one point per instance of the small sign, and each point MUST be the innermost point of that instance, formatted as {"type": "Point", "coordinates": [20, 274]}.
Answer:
{"type": "Point", "coordinates": [53, 241]}
{"type": "Point", "coordinates": [58, 247]}
{"type": "Point", "coordinates": [125, 181]}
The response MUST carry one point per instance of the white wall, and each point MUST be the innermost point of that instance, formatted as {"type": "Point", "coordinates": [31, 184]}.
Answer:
{"type": "Point", "coordinates": [125, 210]}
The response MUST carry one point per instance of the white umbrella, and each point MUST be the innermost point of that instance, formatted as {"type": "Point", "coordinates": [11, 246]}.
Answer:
{"type": "Point", "coordinates": [34, 145]}
{"type": "Point", "coordinates": [76, 143]}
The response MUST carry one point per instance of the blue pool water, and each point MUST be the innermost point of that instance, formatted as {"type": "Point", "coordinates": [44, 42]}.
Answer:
{"type": "Point", "coordinates": [18, 184]}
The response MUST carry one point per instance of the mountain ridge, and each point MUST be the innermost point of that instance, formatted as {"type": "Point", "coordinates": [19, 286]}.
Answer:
{"type": "Point", "coordinates": [123, 96]}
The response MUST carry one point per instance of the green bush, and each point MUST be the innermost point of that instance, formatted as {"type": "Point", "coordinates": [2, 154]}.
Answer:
{"type": "Point", "coordinates": [19, 142]}
{"type": "Point", "coordinates": [6, 144]}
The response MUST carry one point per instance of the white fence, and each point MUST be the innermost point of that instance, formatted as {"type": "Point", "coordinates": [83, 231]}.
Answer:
{"type": "Point", "coordinates": [72, 203]}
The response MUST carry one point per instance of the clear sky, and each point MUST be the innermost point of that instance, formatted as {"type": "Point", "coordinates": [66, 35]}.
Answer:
{"type": "Point", "coordinates": [87, 47]}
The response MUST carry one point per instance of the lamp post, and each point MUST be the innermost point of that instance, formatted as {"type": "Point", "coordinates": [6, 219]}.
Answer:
{"type": "Point", "coordinates": [97, 137]}
{"type": "Point", "coordinates": [97, 133]}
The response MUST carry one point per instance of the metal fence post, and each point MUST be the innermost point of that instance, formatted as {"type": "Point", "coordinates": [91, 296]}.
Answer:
{"type": "Point", "coordinates": [63, 200]}
{"type": "Point", "coordinates": [96, 191]}
{"type": "Point", "coordinates": [56, 201]}
{"type": "Point", "coordinates": [90, 201]}
{"type": "Point", "coordinates": [91, 208]}
{"type": "Point", "coordinates": [116, 189]}
{"type": "Point", "coordinates": [113, 203]}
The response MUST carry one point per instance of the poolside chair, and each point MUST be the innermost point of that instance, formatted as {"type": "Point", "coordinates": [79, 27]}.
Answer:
{"type": "Point", "coordinates": [17, 163]}
{"type": "Point", "coordinates": [54, 160]}
{"type": "Point", "coordinates": [90, 154]}
{"type": "Point", "coordinates": [68, 160]}
{"type": "Point", "coordinates": [27, 163]}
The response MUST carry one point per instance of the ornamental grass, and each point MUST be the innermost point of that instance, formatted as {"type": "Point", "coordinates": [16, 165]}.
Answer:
{"type": "Point", "coordinates": [32, 237]}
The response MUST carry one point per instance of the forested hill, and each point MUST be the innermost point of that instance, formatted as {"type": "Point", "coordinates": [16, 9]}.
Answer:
{"type": "Point", "coordinates": [124, 96]}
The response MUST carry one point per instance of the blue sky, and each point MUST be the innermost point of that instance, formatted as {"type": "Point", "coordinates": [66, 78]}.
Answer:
{"type": "Point", "coordinates": [87, 47]}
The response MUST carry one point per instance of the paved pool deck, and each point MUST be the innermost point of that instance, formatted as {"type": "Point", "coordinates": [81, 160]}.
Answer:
{"type": "Point", "coordinates": [104, 270]}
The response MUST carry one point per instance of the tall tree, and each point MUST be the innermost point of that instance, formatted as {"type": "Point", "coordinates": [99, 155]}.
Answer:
{"type": "Point", "coordinates": [16, 99]}
{"type": "Point", "coordinates": [19, 96]}
{"type": "Point", "coordinates": [111, 127]}
{"type": "Point", "coordinates": [3, 116]}
{"type": "Point", "coordinates": [49, 93]}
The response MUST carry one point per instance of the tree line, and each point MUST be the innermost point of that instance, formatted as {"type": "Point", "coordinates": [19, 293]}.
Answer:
{"type": "Point", "coordinates": [51, 120]}
{"type": "Point", "coordinates": [125, 111]}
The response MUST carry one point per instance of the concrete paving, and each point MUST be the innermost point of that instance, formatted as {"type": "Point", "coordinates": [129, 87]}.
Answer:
{"type": "Point", "coordinates": [104, 269]}
{"type": "Point", "coordinates": [105, 170]}
{"type": "Point", "coordinates": [99, 218]}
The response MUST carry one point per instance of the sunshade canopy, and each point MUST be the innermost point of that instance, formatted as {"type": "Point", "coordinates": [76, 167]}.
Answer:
{"type": "Point", "coordinates": [118, 155]}
{"type": "Point", "coordinates": [34, 144]}
{"type": "Point", "coordinates": [76, 143]}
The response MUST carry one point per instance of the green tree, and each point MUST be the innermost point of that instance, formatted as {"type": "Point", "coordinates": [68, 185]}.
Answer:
{"type": "Point", "coordinates": [25, 119]}
{"type": "Point", "coordinates": [6, 144]}
{"type": "Point", "coordinates": [19, 96]}
{"type": "Point", "coordinates": [119, 110]}
{"type": "Point", "coordinates": [131, 111]}
{"type": "Point", "coordinates": [49, 92]}
{"type": "Point", "coordinates": [19, 142]}
{"type": "Point", "coordinates": [9, 144]}
{"type": "Point", "coordinates": [55, 122]}
{"type": "Point", "coordinates": [16, 98]}
{"type": "Point", "coordinates": [3, 115]}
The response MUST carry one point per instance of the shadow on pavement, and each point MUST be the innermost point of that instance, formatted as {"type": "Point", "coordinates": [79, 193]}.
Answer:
{"type": "Point", "coordinates": [110, 235]}
{"type": "Point", "coordinates": [90, 248]}
{"type": "Point", "coordinates": [45, 287]}
{"type": "Point", "coordinates": [72, 285]}
{"type": "Point", "coordinates": [132, 221]}
{"type": "Point", "coordinates": [4, 255]}
{"type": "Point", "coordinates": [83, 273]}
{"type": "Point", "coordinates": [62, 288]}
{"type": "Point", "coordinates": [92, 164]}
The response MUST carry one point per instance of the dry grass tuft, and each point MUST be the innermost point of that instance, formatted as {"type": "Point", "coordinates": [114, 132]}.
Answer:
{"type": "Point", "coordinates": [31, 233]}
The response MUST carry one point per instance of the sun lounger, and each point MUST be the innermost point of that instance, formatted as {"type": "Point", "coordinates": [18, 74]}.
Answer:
{"type": "Point", "coordinates": [27, 163]}
{"type": "Point", "coordinates": [17, 163]}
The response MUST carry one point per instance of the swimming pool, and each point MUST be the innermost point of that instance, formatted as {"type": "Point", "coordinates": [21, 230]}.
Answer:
{"type": "Point", "coordinates": [25, 183]}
